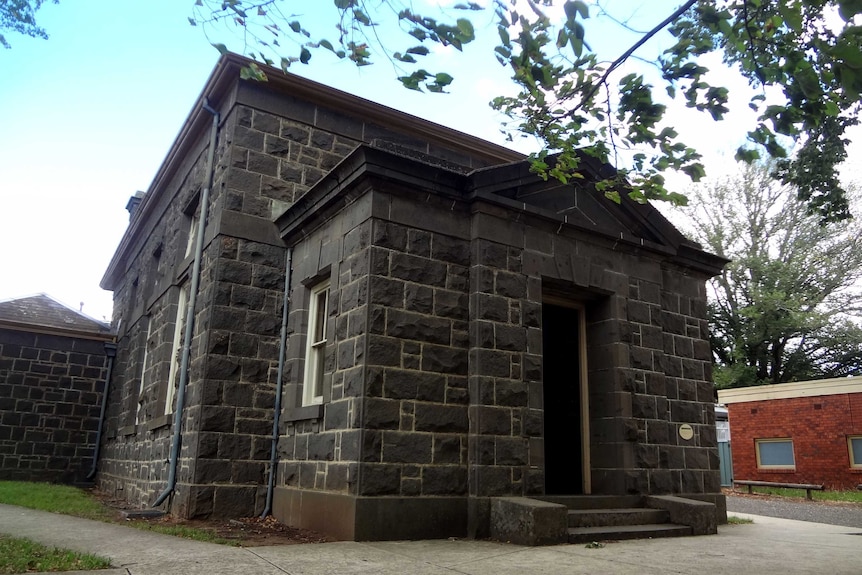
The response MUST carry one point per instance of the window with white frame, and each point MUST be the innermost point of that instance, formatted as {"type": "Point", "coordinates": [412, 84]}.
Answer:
{"type": "Point", "coordinates": [315, 347]}
{"type": "Point", "coordinates": [177, 348]}
{"type": "Point", "coordinates": [775, 453]}
{"type": "Point", "coordinates": [854, 444]}
{"type": "Point", "coordinates": [192, 235]}
{"type": "Point", "coordinates": [142, 382]}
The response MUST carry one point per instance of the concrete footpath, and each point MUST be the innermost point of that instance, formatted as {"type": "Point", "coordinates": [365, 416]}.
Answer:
{"type": "Point", "coordinates": [768, 546]}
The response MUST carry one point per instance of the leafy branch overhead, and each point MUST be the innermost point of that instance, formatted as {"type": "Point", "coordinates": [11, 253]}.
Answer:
{"type": "Point", "coordinates": [806, 54]}
{"type": "Point", "coordinates": [20, 16]}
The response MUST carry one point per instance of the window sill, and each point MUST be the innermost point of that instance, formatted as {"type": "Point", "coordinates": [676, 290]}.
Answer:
{"type": "Point", "coordinates": [303, 413]}
{"type": "Point", "coordinates": [781, 470]}
{"type": "Point", "coordinates": [159, 422]}
{"type": "Point", "coordinates": [127, 430]}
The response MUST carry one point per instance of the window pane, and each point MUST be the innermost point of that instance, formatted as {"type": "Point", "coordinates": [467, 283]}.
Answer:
{"type": "Point", "coordinates": [778, 453]}
{"type": "Point", "coordinates": [320, 316]}
{"type": "Point", "coordinates": [856, 450]}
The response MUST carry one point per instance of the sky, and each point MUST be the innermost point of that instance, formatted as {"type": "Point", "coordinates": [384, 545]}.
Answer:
{"type": "Point", "coordinates": [87, 117]}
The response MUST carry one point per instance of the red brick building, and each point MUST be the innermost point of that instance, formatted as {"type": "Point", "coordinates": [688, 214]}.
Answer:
{"type": "Point", "coordinates": [802, 432]}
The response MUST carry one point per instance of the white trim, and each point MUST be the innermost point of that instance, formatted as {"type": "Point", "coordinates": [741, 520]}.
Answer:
{"type": "Point", "coordinates": [315, 344]}
{"type": "Point", "coordinates": [813, 388]}
{"type": "Point", "coordinates": [176, 349]}
{"type": "Point", "coordinates": [142, 381]}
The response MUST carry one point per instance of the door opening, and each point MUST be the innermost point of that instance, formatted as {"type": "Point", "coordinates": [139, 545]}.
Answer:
{"type": "Point", "coordinates": [565, 399]}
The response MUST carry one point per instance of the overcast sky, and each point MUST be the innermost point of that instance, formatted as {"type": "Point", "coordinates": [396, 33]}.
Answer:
{"type": "Point", "coordinates": [87, 117]}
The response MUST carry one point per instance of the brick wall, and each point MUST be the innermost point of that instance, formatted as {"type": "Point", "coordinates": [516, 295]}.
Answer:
{"type": "Point", "coordinates": [50, 397]}
{"type": "Point", "coordinates": [818, 426]}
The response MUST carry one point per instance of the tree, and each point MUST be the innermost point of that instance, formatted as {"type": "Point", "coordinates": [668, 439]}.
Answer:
{"type": "Point", "coordinates": [807, 54]}
{"type": "Point", "coordinates": [20, 16]}
{"type": "Point", "coordinates": [787, 307]}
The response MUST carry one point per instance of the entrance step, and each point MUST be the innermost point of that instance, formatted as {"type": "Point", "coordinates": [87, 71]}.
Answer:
{"type": "Point", "coordinates": [621, 532]}
{"type": "Point", "coordinates": [616, 517]}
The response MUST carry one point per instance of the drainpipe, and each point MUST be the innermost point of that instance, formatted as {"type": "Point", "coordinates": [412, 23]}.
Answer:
{"type": "Point", "coordinates": [190, 314]}
{"type": "Point", "coordinates": [273, 454]}
{"type": "Point", "coordinates": [111, 352]}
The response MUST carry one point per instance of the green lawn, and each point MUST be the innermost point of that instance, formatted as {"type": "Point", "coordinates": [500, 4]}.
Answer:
{"type": "Point", "coordinates": [73, 501]}
{"type": "Point", "coordinates": [55, 498]}
{"type": "Point", "coordinates": [851, 496]}
{"type": "Point", "coordinates": [23, 556]}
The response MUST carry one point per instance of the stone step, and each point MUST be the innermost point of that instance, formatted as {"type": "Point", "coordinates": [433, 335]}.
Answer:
{"type": "Point", "coordinates": [618, 533]}
{"type": "Point", "coordinates": [615, 517]}
{"type": "Point", "coordinates": [595, 501]}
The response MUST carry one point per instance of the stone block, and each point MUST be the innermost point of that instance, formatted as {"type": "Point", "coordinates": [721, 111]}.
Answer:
{"type": "Point", "coordinates": [444, 480]}
{"type": "Point", "coordinates": [381, 413]}
{"type": "Point", "coordinates": [440, 418]}
{"type": "Point", "coordinates": [524, 521]}
{"type": "Point", "coordinates": [404, 447]}
{"type": "Point", "coordinates": [699, 515]}
{"type": "Point", "coordinates": [405, 325]}
{"type": "Point", "coordinates": [379, 479]}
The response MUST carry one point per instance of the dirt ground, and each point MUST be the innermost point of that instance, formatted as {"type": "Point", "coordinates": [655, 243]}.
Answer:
{"type": "Point", "coordinates": [245, 531]}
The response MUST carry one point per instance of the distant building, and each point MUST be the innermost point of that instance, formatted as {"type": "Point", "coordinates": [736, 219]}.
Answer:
{"type": "Point", "coordinates": [53, 368]}
{"type": "Point", "coordinates": [802, 432]}
{"type": "Point", "coordinates": [457, 328]}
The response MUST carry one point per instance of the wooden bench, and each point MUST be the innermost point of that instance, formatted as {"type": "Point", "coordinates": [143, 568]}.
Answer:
{"type": "Point", "coordinates": [808, 487]}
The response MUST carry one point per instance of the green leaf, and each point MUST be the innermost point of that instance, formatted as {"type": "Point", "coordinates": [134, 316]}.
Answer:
{"type": "Point", "coordinates": [344, 4]}
{"type": "Point", "coordinates": [443, 79]}
{"type": "Point", "coordinates": [304, 55]}
{"type": "Point", "coordinates": [192, 21]}
{"type": "Point", "coordinates": [222, 49]}
{"type": "Point", "coordinates": [418, 50]}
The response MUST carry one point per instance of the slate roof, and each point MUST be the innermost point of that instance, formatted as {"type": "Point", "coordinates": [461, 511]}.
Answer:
{"type": "Point", "coordinates": [42, 311]}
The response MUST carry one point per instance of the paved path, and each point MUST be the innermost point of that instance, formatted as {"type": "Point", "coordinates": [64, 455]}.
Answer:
{"type": "Point", "coordinates": [767, 547]}
{"type": "Point", "coordinates": [849, 515]}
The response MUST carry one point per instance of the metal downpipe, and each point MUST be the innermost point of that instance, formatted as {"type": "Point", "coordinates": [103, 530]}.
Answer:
{"type": "Point", "coordinates": [111, 352]}
{"type": "Point", "coordinates": [190, 313]}
{"type": "Point", "coordinates": [273, 455]}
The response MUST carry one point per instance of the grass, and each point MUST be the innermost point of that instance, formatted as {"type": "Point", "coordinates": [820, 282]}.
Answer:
{"type": "Point", "coordinates": [184, 532]}
{"type": "Point", "coordinates": [55, 498]}
{"type": "Point", "coordinates": [734, 520]}
{"type": "Point", "coordinates": [851, 496]}
{"type": "Point", "coordinates": [22, 556]}
{"type": "Point", "coordinates": [77, 502]}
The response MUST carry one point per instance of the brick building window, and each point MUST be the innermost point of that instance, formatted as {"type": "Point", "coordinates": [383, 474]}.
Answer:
{"type": "Point", "coordinates": [854, 444]}
{"type": "Point", "coordinates": [775, 454]}
{"type": "Point", "coordinates": [177, 348]}
{"type": "Point", "coordinates": [315, 348]}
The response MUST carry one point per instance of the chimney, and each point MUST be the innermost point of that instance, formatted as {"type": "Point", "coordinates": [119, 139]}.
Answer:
{"type": "Point", "coordinates": [133, 203]}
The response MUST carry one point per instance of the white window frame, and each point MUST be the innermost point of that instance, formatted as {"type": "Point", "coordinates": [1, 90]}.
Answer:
{"type": "Point", "coordinates": [142, 382]}
{"type": "Point", "coordinates": [760, 465]}
{"type": "Point", "coordinates": [315, 346]}
{"type": "Point", "coordinates": [176, 348]}
{"type": "Point", "coordinates": [854, 463]}
{"type": "Point", "coordinates": [193, 234]}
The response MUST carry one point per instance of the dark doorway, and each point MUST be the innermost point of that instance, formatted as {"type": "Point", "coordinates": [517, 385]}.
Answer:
{"type": "Point", "coordinates": [563, 369]}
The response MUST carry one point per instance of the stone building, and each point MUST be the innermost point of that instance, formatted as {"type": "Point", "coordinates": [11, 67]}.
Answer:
{"type": "Point", "coordinates": [54, 364]}
{"type": "Point", "coordinates": [456, 330]}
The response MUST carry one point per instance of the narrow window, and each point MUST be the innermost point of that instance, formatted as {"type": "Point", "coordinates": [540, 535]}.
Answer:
{"type": "Point", "coordinates": [854, 443]}
{"type": "Point", "coordinates": [775, 454]}
{"type": "Point", "coordinates": [193, 233]}
{"type": "Point", "coordinates": [315, 350]}
{"type": "Point", "coordinates": [142, 382]}
{"type": "Point", "coordinates": [177, 349]}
